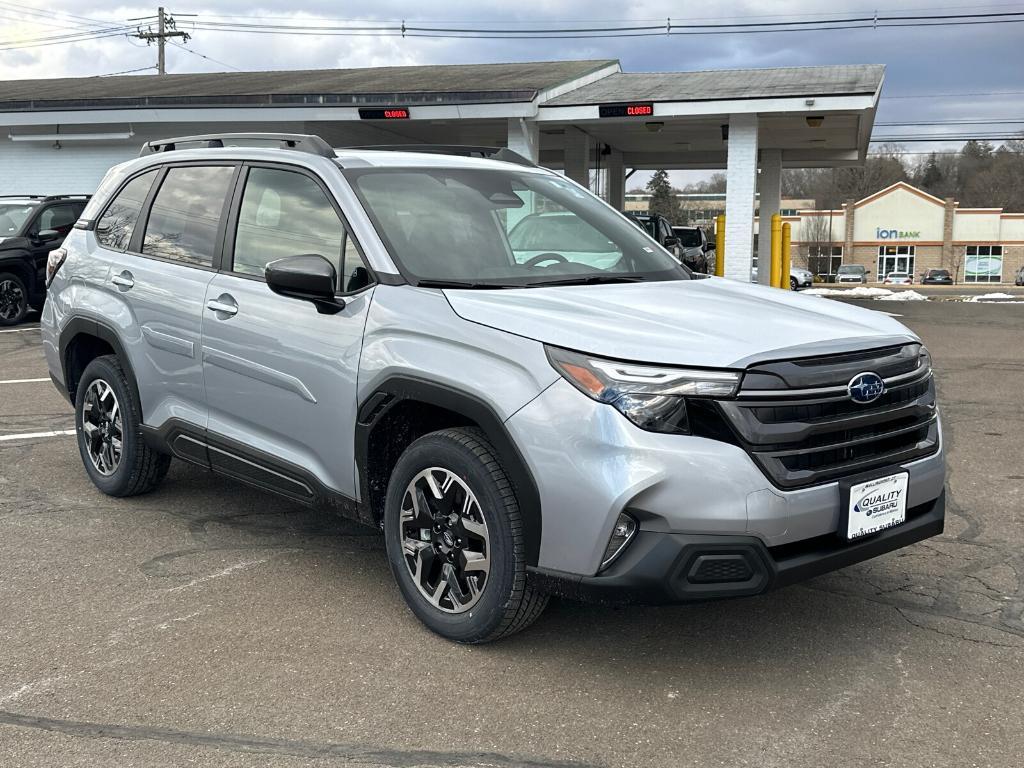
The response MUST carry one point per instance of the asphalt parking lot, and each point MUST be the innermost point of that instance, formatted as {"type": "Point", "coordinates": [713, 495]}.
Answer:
{"type": "Point", "coordinates": [208, 624]}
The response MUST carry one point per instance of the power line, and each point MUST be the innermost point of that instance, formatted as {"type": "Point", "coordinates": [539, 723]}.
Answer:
{"type": "Point", "coordinates": [128, 71]}
{"type": "Point", "coordinates": [204, 56]}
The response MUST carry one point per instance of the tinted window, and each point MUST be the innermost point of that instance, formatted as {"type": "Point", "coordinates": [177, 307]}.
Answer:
{"type": "Point", "coordinates": [688, 238]}
{"type": "Point", "coordinates": [285, 214]}
{"type": "Point", "coordinates": [60, 217]}
{"type": "Point", "coordinates": [115, 227]}
{"type": "Point", "coordinates": [186, 213]}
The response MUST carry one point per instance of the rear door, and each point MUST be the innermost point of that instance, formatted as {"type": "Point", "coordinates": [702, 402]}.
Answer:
{"type": "Point", "coordinates": [162, 280]}
{"type": "Point", "coordinates": [281, 377]}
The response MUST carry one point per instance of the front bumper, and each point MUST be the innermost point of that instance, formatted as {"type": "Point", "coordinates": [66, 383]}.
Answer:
{"type": "Point", "coordinates": [660, 568]}
{"type": "Point", "coordinates": [590, 463]}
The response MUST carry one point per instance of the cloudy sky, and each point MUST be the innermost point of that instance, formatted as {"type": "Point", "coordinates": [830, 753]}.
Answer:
{"type": "Point", "coordinates": [924, 65]}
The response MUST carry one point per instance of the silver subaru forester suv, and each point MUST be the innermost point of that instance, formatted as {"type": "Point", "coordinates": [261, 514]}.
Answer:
{"type": "Point", "coordinates": [519, 387]}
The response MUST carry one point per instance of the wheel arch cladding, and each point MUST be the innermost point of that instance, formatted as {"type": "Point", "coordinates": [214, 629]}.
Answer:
{"type": "Point", "coordinates": [402, 409]}
{"type": "Point", "coordinates": [82, 340]}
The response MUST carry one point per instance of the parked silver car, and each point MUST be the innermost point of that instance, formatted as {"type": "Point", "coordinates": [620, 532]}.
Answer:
{"type": "Point", "coordinates": [358, 331]}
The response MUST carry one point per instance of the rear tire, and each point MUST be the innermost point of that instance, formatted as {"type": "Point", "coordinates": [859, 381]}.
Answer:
{"type": "Point", "coordinates": [455, 540]}
{"type": "Point", "coordinates": [108, 420]}
{"type": "Point", "coordinates": [13, 299]}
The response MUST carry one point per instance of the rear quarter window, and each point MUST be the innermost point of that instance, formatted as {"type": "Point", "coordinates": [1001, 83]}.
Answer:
{"type": "Point", "coordinates": [115, 227]}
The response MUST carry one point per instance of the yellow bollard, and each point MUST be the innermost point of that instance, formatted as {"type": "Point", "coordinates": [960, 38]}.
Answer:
{"type": "Point", "coordinates": [786, 255]}
{"type": "Point", "coordinates": [720, 245]}
{"type": "Point", "coordinates": [776, 250]}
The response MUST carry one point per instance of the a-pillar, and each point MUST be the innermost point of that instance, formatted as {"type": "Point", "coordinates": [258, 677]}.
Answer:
{"type": "Point", "coordinates": [524, 138]}
{"type": "Point", "coordinates": [577, 156]}
{"type": "Point", "coordinates": [741, 178]}
{"type": "Point", "coordinates": [769, 189]}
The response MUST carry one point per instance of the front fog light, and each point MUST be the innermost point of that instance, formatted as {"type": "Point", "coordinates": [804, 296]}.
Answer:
{"type": "Point", "coordinates": [623, 533]}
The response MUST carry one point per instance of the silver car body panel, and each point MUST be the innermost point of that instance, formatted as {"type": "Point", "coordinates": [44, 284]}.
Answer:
{"type": "Point", "coordinates": [708, 323]}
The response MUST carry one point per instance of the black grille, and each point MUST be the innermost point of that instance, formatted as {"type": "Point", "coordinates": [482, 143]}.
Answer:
{"type": "Point", "coordinates": [802, 435]}
{"type": "Point", "coordinates": [718, 569]}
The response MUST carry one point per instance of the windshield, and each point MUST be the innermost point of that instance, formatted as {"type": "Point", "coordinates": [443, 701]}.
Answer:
{"type": "Point", "coordinates": [12, 216]}
{"type": "Point", "coordinates": [688, 238]}
{"type": "Point", "coordinates": [504, 228]}
{"type": "Point", "coordinates": [847, 270]}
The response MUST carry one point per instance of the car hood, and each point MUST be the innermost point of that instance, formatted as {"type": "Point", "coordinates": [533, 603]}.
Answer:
{"type": "Point", "coordinates": [712, 322]}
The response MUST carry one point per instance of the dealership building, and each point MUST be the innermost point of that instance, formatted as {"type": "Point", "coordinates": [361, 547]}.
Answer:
{"type": "Point", "coordinates": [588, 119]}
{"type": "Point", "coordinates": [903, 229]}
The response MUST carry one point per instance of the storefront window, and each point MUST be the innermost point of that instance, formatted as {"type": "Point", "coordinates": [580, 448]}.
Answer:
{"type": "Point", "coordinates": [896, 258]}
{"type": "Point", "coordinates": [824, 261]}
{"type": "Point", "coordinates": [983, 264]}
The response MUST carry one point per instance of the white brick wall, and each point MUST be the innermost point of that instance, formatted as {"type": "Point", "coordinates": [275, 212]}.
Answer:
{"type": "Point", "coordinates": [38, 169]}
{"type": "Point", "coordinates": [741, 177]}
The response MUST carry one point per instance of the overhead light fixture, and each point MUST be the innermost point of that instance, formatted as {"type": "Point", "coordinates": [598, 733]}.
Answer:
{"type": "Point", "coordinates": [654, 126]}
{"type": "Point", "coordinates": [815, 121]}
{"type": "Point", "coordinates": [112, 136]}
{"type": "Point", "coordinates": [683, 144]}
{"type": "Point", "coordinates": [808, 102]}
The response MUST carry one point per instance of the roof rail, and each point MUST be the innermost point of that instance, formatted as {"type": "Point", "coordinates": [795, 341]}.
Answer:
{"type": "Point", "coordinates": [83, 196]}
{"type": "Point", "coordinates": [490, 153]}
{"type": "Point", "coordinates": [23, 197]}
{"type": "Point", "coordinates": [300, 142]}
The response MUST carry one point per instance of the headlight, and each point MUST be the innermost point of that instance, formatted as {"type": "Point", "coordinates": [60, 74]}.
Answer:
{"type": "Point", "coordinates": [652, 397]}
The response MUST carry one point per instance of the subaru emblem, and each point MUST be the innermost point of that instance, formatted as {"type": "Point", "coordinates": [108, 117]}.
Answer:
{"type": "Point", "coordinates": [865, 388]}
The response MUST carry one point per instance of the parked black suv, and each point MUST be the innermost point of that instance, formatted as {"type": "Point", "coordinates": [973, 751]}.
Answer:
{"type": "Point", "coordinates": [660, 228]}
{"type": "Point", "coordinates": [30, 227]}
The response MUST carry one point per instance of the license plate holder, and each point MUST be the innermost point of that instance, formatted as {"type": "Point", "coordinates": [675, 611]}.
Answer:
{"type": "Point", "coordinates": [871, 504]}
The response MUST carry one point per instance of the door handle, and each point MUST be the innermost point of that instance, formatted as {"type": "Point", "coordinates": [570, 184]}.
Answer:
{"type": "Point", "coordinates": [223, 304]}
{"type": "Point", "coordinates": [124, 280]}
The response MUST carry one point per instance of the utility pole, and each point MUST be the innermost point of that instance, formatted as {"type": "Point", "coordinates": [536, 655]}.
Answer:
{"type": "Point", "coordinates": [166, 28]}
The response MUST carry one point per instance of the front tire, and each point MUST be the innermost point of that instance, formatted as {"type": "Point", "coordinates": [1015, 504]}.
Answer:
{"type": "Point", "coordinates": [792, 284]}
{"type": "Point", "coordinates": [455, 541]}
{"type": "Point", "coordinates": [13, 299]}
{"type": "Point", "coordinates": [108, 420]}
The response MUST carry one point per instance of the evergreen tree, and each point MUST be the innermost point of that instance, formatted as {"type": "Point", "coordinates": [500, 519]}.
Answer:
{"type": "Point", "coordinates": [663, 197]}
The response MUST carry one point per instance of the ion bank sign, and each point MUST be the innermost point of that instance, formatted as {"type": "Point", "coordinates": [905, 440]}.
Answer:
{"type": "Point", "coordinates": [895, 234]}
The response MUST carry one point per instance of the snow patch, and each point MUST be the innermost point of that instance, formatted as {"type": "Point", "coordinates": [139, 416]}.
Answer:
{"type": "Point", "coordinates": [996, 297]}
{"type": "Point", "coordinates": [879, 294]}
{"type": "Point", "coordinates": [904, 296]}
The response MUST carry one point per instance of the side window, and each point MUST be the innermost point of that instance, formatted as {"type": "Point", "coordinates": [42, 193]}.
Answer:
{"type": "Point", "coordinates": [354, 273]}
{"type": "Point", "coordinates": [61, 217]}
{"type": "Point", "coordinates": [114, 228]}
{"type": "Point", "coordinates": [186, 214]}
{"type": "Point", "coordinates": [284, 213]}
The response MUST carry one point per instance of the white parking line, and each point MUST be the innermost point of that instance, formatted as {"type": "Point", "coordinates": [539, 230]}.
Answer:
{"type": "Point", "coordinates": [22, 381]}
{"type": "Point", "coordinates": [21, 330]}
{"type": "Point", "coordinates": [32, 435]}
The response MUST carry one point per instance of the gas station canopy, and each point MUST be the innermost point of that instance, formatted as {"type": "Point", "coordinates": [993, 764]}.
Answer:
{"type": "Point", "coordinates": [576, 116]}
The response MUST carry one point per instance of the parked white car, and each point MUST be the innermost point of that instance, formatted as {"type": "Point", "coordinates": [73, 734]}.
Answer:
{"type": "Point", "coordinates": [898, 278]}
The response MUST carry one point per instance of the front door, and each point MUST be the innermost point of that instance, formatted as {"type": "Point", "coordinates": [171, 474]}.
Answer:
{"type": "Point", "coordinates": [280, 376]}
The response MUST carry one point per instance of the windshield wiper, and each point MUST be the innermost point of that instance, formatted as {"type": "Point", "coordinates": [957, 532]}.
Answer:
{"type": "Point", "coordinates": [589, 280]}
{"type": "Point", "coordinates": [461, 284]}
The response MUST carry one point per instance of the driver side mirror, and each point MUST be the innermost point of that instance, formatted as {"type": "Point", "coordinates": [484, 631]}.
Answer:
{"type": "Point", "coordinates": [310, 277]}
{"type": "Point", "coordinates": [47, 236]}
{"type": "Point", "coordinates": [671, 242]}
